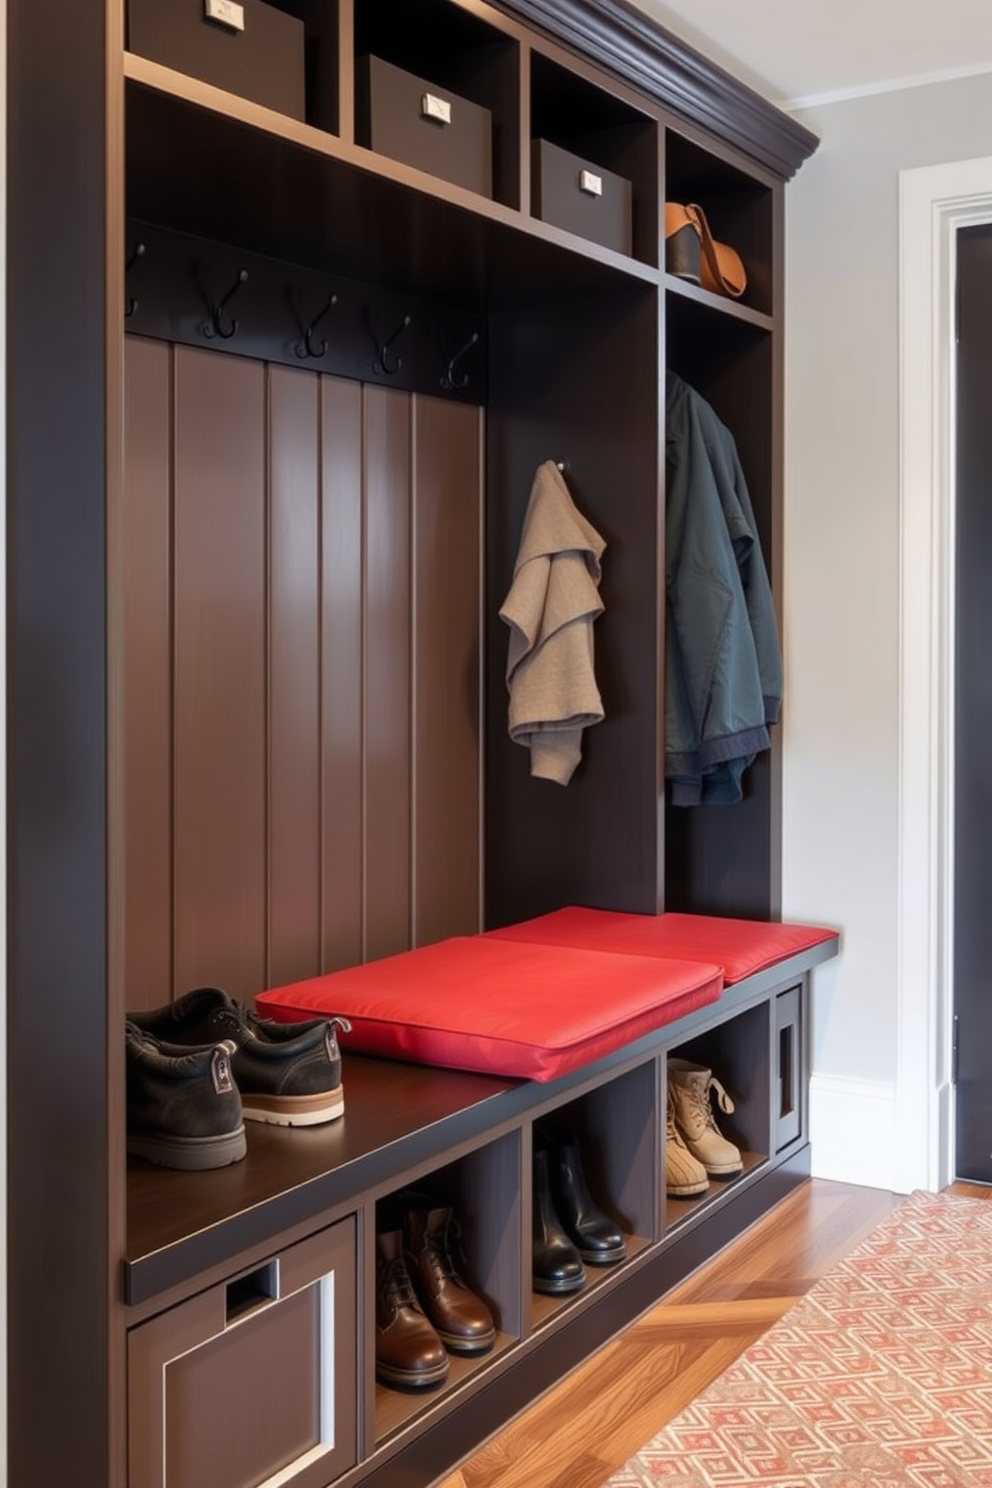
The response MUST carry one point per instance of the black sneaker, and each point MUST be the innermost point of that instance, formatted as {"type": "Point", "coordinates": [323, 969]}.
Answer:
{"type": "Point", "coordinates": [183, 1107]}
{"type": "Point", "coordinates": [288, 1073]}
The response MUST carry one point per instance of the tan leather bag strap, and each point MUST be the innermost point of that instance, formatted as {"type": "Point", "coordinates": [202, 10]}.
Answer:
{"type": "Point", "coordinates": [721, 264]}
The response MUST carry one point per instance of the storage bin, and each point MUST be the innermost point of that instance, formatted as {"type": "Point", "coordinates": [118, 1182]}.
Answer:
{"type": "Point", "coordinates": [242, 46]}
{"type": "Point", "coordinates": [412, 120]}
{"type": "Point", "coordinates": [581, 197]}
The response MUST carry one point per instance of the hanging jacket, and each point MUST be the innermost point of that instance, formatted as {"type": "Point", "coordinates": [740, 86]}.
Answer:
{"type": "Point", "coordinates": [723, 665]}
{"type": "Point", "coordinates": [550, 609]}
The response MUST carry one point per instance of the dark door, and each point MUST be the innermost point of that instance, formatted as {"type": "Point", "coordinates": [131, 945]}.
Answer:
{"type": "Point", "coordinates": [973, 711]}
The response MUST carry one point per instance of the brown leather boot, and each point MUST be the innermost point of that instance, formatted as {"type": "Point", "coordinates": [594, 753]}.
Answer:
{"type": "Point", "coordinates": [462, 1320]}
{"type": "Point", "coordinates": [408, 1352]}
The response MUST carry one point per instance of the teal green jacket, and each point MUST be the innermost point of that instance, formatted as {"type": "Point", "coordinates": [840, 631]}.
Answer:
{"type": "Point", "coordinates": [723, 663]}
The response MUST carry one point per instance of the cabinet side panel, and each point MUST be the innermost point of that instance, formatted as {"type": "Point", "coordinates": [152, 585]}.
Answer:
{"type": "Point", "coordinates": [447, 502]}
{"type": "Point", "coordinates": [147, 549]}
{"type": "Point", "coordinates": [220, 672]}
{"type": "Point", "coordinates": [387, 803]}
{"type": "Point", "coordinates": [341, 674]}
{"type": "Point", "coordinates": [294, 677]}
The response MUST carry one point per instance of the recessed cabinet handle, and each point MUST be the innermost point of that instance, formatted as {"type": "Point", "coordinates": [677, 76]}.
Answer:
{"type": "Point", "coordinates": [438, 109]}
{"type": "Point", "coordinates": [590, 183]}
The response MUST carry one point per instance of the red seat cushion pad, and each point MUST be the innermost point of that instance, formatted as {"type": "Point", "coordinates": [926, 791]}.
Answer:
{"type": "Point", "coordinates": [481, 1003]}
{"type": "Point", "coordinates": [740, 947]}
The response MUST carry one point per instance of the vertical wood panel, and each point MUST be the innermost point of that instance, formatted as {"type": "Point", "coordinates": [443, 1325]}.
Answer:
{"type": "Point", "coordinates": [341, 673]}
{"type": "Point", "coordinates": [147, 705]}
{"type": "Point", "coordinates": [387, 672]}
{"type": "Point", "coordinates": [294, 662]}
{"type": "Point", "coordinates": [447, 506]}
{"type": "Point", "coordinates": [219, 672]}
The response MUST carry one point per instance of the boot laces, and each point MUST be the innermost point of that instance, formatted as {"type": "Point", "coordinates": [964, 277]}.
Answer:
{"type": "Point", "coordinates": [396, 1284]}
{"type": "Point", "coordinates": [439, 1253]}
{"type": "Point", "coordinates": [703, 1108]}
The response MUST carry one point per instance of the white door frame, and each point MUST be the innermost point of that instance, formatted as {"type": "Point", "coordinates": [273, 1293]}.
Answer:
{"type": "Point", "coordinates": [934, 202]}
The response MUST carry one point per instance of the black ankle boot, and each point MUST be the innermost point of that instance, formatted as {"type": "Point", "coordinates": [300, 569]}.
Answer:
{"type": "Point", "coordinates": [557, 1265]}
{"type": "Point", "coordinates": [596, 1238]}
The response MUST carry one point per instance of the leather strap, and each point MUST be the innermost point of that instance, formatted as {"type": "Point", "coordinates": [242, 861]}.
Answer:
{"type": "Point", "coordinates": [721, 267]}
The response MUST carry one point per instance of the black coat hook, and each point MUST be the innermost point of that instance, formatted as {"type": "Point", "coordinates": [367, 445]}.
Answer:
{"type": "Point", "coordinates": [449, 381]}
{"type": "Point", "coordinates": [306, 348]}
{"type": "Point", "coordinates": [380, 364]}
{"type": "Point", "coordinates": [137, 252]}
{"type": "Point", "coordinates": [213, 326]}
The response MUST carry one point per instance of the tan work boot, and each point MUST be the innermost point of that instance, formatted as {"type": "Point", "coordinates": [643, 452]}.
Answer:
{"type": "Point", "coordinates": [690, 1085]}
{"type": "Point", "coordinates": [684, 1176]}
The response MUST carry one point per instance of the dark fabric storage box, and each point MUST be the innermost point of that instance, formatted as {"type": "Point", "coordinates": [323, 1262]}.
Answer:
{"type": "Point", "coordinates": [394, 120]}
{"type": "Point", "coordinates": [263, 62]}
{"type": "Point", "coordinates": [561, 196]}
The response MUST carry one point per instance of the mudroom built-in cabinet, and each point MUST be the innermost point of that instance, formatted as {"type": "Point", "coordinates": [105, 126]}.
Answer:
{"type": "Point", "coordinates": [290, 330]}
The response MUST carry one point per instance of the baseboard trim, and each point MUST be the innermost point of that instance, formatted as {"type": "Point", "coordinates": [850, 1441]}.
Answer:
{"type": "Point", "coordinates": [852, 1130]}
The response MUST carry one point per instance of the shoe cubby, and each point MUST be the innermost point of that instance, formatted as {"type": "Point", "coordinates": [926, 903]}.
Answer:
{"type": "Point", "coordinates": [739, 207]}
{"type": "Point", "coordinates": [437, 87]}
{"type": "Point", "coordinates": [482, 1241]}
{"type": "Point", "coordinates": [594, 161]}
{"type": "Point", "coordinates": [611, 1140]}
{"type": "Point", "coordinates": [737, 1054]}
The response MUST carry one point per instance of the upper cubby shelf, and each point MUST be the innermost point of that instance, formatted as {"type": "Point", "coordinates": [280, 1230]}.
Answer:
{"type": "Point", "coordinates": [594, 161]}
{"type": "Point", "coordinates": [737, 205]}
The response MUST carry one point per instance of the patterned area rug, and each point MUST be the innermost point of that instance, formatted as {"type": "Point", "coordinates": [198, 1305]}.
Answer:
{"type": "Point", "coordinates": [881, 1375]}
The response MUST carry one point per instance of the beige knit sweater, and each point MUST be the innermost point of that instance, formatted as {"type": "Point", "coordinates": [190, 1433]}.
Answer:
{"type": "Point", "coordinates": [550, 609]}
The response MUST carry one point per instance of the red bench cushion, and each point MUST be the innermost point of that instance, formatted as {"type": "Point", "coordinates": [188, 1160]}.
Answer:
{"type": "Point", "coordinates": [482, 1003]}
{"type": "Point", "coordinates": [739, 947]}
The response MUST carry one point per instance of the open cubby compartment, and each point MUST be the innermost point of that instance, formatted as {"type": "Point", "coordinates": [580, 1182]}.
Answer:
{"type": "Point", "coordinates": [600, 127]}
{"type": "Point", "coordinates": [615, 1127]}
{"type": "Point", "coordinates": [454, 49]}
{"type": "Point", "coordinates": [248, 50]}
{"type": "Point", "coordinates": [724, 859]}
{"type": "Point", "coordinates": [737, 1052]}
{"type": "Point", "coordinates": [482, 1188]}
{"type": "Point", "coordinates": [739, 208]}
{"type": "Point", "coordinates": [616, 1130]}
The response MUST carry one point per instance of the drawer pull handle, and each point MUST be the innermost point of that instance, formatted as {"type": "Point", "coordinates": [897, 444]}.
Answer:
{"type": "Point", "coordinates": [590, 183]}
{"type": "Point", "coordinates": [438, 109]}
{"type": "Point", "coordinates": [227, 12]}
{"type": "Point", "coordinates": [247, 1294]}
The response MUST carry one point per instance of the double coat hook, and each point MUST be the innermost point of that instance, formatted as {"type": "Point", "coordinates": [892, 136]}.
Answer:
{"type": "Point", "coordinates": [307, 347]}
{"type": "Point", "coordinates": [214, 327]}
{"type": "Point", "coordinates": [449, 381]}
{"type": "Point", "coordinates": [137, 252]}
{"type": "Point", "coordinates": [382, 363]}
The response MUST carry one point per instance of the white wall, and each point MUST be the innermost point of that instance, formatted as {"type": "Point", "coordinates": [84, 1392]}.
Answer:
{"type": "Point", "coordinates": [842, 585]}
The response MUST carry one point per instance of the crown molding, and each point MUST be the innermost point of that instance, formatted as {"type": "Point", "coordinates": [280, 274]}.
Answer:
{"type": "Point", "coordinates": [615, 35]}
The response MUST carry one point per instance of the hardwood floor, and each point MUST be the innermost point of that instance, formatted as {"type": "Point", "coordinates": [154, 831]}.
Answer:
{"type": "Point", "coordinates": [590, 1424]}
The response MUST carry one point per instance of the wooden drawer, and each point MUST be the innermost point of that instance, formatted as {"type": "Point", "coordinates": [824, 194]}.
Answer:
{"type": "Point", "coordinates": [252, 1381]}
{"type": "Point", "coordinates": [410, 119]}
{"type": "Point", "coordinates": [582, 197]}
{"type": "Point", "coordinates": [261, 58]}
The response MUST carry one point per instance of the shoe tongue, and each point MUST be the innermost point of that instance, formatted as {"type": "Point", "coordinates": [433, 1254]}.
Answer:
{"type": "Point", "coordinates": [390, 1245]}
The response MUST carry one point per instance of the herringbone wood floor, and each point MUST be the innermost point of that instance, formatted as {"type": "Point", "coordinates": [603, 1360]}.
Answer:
{"type": "Point", "coordinates": [590, 1424]}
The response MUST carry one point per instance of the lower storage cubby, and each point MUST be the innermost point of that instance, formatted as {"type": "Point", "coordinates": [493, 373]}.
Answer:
{"type": "Point", "coordinates": [595, 1163]}
{"type": "Point", "coordinates": [460, 1221]}
{"type": "Point", "coordinates": [721, 1077]}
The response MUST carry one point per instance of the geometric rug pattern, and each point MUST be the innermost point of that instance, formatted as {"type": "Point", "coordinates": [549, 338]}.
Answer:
{"type": "Point", "coordinates": [881, 1375]}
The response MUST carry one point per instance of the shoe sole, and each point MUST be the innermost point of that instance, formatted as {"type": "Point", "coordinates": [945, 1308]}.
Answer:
{"type": "Point", "coordinates": [603, 1257]}
{"type": "Point", "coordinates": [406, 1379]}
{"type": "Point", "coordinates": [556, 1288]}
{"type": "Point", "coordinates": [687, 1190]}
{"type": "Point", "coordinates": [727, 1172]}
{"type": "Point", "coordinates": [189, 1154]}
{"type": "Point", "coordinates": [293, 1110]}
{"type": "Point", "coordinates": [456, 1345]}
